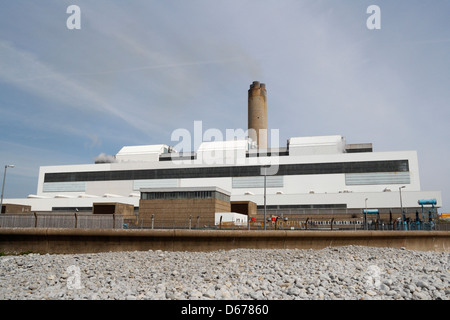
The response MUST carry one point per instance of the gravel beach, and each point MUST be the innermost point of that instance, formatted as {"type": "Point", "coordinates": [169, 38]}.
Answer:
{"type": "Point", "coordinates": [350, 272]}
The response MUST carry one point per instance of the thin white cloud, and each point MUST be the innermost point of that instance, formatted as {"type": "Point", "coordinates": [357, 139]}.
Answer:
{"type": "Point", "coordinates": [27, 158]}
{"type": "Point", "coordinates": [24, 70]}
{"type": "Point", "coordinates": [56, 76]}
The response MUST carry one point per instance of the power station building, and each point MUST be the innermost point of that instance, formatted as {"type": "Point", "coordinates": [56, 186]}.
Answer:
{"type": "Point", "coordinates": [309, 175]}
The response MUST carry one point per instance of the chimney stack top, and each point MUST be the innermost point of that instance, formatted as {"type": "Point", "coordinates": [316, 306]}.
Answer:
{"type": "Point", "coordinates": [255, 85]}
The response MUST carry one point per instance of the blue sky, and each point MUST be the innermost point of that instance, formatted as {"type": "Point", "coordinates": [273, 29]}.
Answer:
{"type": "Point", "coordinates": [138, 70]}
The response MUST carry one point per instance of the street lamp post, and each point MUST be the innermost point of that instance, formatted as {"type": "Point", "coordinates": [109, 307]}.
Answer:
{"type": "Point", "coordinates": [401, 205]}
{"type": "Point", "coordinates": [3, 186]}
{"type": "Point", "coordinates": [265, 192]}
{"type": "Point", "coordinates": [265, 177]}
{"type": "Point", "coordinates": [365, 215]}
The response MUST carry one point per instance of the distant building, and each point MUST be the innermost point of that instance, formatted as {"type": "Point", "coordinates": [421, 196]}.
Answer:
{"type": "Point", "coordinates": [15, 208]}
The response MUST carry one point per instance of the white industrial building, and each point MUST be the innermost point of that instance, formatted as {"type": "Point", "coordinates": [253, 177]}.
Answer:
{"type": "Point", "coordinates": [311, 172]}
{"type": "Point", "coordinates": [308, 173]}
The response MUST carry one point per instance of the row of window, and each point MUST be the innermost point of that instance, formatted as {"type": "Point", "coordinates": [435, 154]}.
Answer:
{"type": "Point", "coordinates": [233, 171]}
{"type": "Point", "coordinates": [193, 155]}
{"type": "Point", "coordinates": [185, 195]}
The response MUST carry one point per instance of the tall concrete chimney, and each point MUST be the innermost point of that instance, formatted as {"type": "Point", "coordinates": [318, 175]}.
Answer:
{"type": "Point", "coordinates": [257, 114]}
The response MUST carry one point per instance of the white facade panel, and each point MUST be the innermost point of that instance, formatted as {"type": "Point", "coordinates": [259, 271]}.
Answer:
{"type": "Point", "coordinates": [223, 183]}
{"type": "Point", "coordinates": [300, 146]}
{"type": "Point", "coordinates": [64, 187]}
{"type": "Point", "coordinates": [257, 182]}
{"type": "Point", "coordinates": [101, 188]}
{"type": "Point", "coordinates": [377, 178]}
{"type": "Point", "coordinates": [326, 183]}
{"type": "Point", "coordinates": [148, 153]}
{"type": "Point", "coordinates": [155, 183]}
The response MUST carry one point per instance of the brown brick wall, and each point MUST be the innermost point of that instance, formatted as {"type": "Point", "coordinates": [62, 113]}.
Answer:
{"type": "Point", "coordinates": [176, 212]}
{"type": "Point", "coordinates": [15, 208]}
{"type": "Point", "coordinates": [245, 207]}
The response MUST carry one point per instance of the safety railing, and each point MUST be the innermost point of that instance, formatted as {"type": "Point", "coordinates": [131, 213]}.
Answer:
{"type": "Point", "coordinates": [62, 220]}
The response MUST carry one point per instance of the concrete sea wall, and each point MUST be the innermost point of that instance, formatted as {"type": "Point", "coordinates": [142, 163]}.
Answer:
{"type": "Point", "coordinates": [69, 241]}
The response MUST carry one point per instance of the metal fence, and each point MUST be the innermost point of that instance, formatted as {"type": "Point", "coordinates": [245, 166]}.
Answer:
{"type": "Point", "coordinates": [174, 223]}
{"type": "Point", "coordinates": [409, 225]}
{"type": "Point", "coordinates": [285, 224]}
{"type": "Point", "coordinates": [116, 221]}
{"type": "Point", "coordinates": [279, 224]}
{"type": "Point", "coordinates": [62, 220]}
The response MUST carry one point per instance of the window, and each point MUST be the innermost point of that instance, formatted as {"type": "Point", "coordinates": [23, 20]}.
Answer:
{"type": "Point", "coordinates": [235, 171]}
{"type": "Point", "coordinates": [185, 195]}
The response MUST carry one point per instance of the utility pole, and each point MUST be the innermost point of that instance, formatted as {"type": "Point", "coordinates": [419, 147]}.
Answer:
{"type": "Point", "coordinates": [3, 186]}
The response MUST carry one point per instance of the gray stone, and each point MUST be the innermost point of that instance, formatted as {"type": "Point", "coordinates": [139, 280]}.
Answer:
{"type": "Point", "coordinates": [234, 274]}
{"type": "Point", "coordinates": [384, 287]}
{"type": "Point", "coordinates": [257, 295]}
{"type": "Point", "coordinates": [210, 294]}
{"type": "Point", "coordinates": [421, 284]}
{"type": "Point", "coordinates": [371, 293]}
{"type": "Point", "coordinates": [420, 295]}
{"type": "Point", "coordinates": [391, 293]}
{"type": "Point", "coordinates": [412, 288]}
{"type": "Point", "coordinates": [293, 291]}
